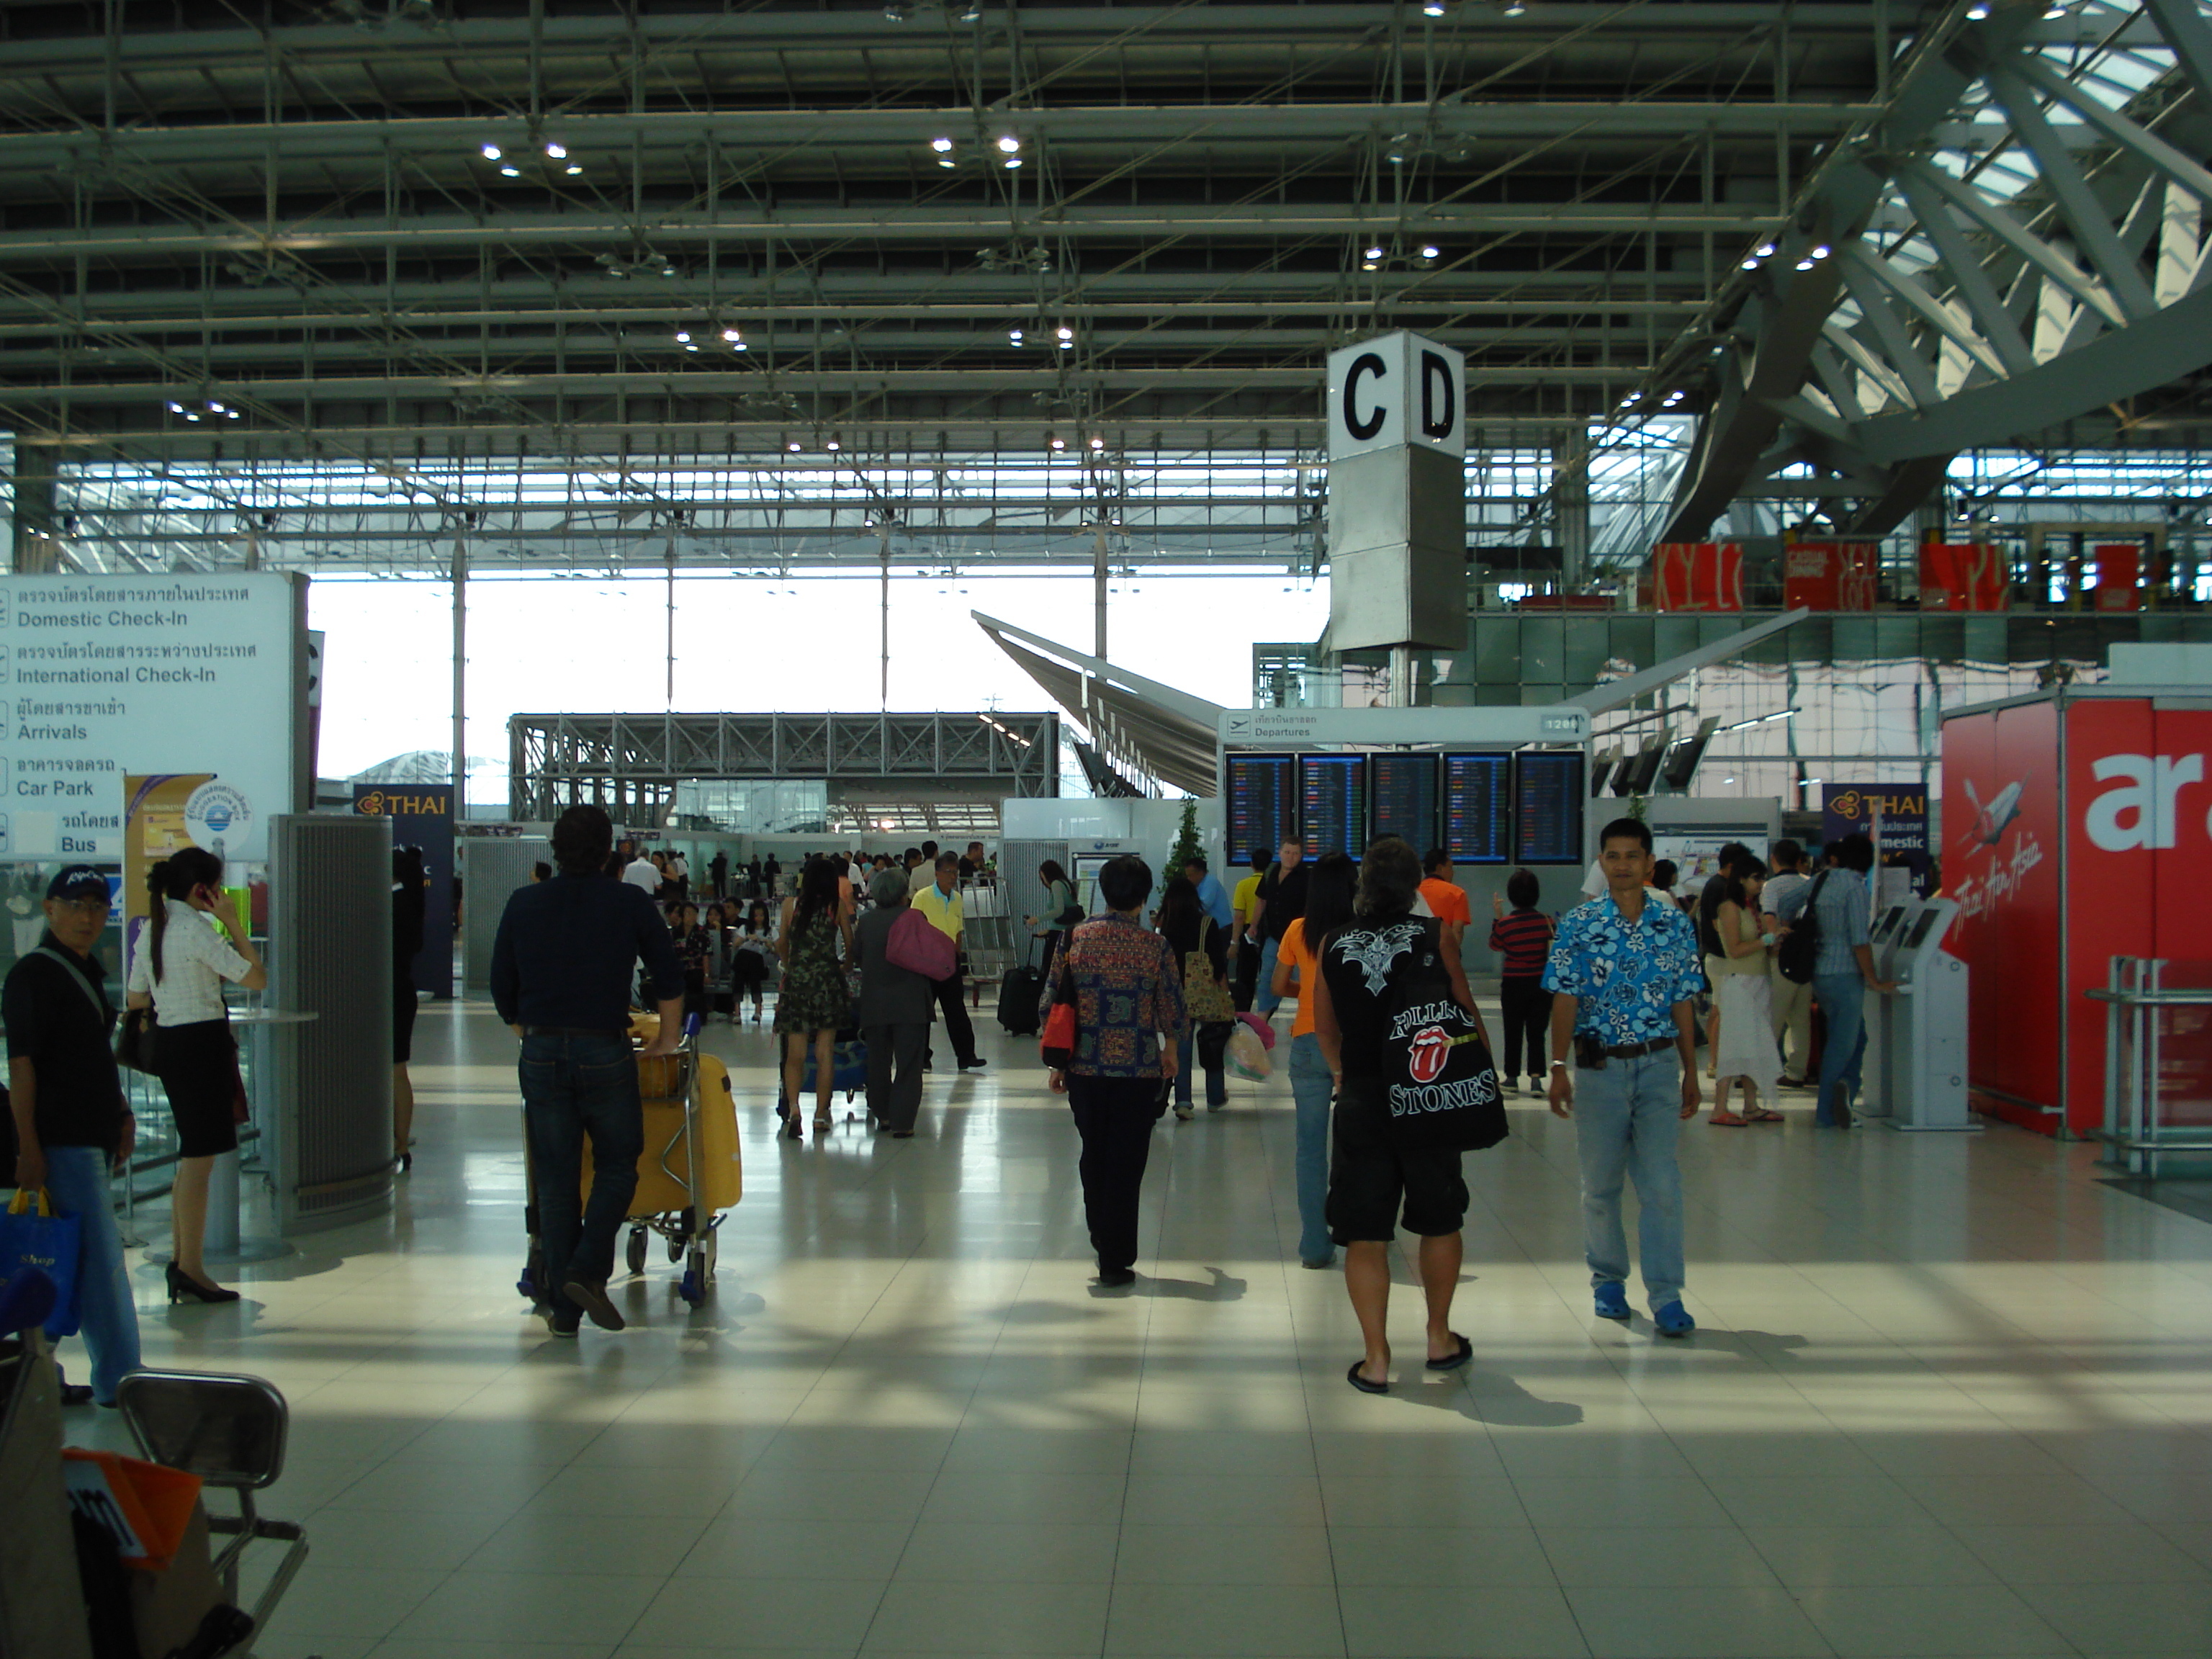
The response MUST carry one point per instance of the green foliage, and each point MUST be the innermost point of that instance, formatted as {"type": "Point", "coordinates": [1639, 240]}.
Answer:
{"type": "Point", "coordinates": [1187, 844]}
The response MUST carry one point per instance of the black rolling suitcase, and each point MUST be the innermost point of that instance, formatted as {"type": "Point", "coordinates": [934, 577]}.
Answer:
{"type": "Point", "coordinates": [1019, 994]}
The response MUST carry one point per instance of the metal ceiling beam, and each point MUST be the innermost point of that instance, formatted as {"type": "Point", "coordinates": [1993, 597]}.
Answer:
{"type": "Point", "coordinates": [433, 235]}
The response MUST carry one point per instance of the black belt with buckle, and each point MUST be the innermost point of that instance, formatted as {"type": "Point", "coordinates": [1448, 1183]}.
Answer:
{"type": "Point", "coordinates": [1591, 1056]}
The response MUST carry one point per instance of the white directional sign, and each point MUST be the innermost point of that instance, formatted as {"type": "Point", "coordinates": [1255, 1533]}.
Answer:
{"type": "Point", "coordinates": [104, 676]}
{"type": "Point", "coordinates": [1397, 390]}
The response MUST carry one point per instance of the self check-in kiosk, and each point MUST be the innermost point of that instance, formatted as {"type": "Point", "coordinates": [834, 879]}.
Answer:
{"type": "Point", "coordinates": [1915, 1071]}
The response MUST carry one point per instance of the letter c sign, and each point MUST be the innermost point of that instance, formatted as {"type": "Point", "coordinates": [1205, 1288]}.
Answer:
{"type": "Point", "coordinates": [1364, 426]}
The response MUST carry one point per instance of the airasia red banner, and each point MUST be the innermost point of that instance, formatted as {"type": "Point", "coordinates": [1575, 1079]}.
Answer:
{"type": "Point", "coordinates": [2072, 834]}
{"type": "Point", "coordinates": [1964, 576]}
{"type": "Point", "coordinates": [1830, 576]}
{"type": "Point", "coordinates": [1697, 576]}
{"type": "Point", "coordinates": [2002, 848]}
{"type": "Point", "coordinates": [2139, 795]}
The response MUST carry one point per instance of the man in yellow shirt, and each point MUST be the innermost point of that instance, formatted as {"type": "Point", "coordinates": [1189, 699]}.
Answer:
{"type": "Point", "coordinates": [940, 901]}
{"type": "Point", "coordinates": [1248, 948]}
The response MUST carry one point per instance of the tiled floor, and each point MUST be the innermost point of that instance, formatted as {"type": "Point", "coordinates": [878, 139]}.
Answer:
{"type": "Point", "coordinates": [1948, 1398]}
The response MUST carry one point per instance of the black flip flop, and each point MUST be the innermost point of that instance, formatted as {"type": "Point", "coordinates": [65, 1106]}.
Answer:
{"type": "Point", "coordinates": [1361, 1384]}
{"type": "Point", "coordinates": [1452, 1363]}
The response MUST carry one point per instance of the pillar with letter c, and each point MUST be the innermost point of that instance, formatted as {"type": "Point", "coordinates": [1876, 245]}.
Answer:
{"type": "Point", "coordinates": [1397, 495]}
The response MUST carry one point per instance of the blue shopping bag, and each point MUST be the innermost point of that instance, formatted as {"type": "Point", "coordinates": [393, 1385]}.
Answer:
{"type": "Point", "coordinates": [37, 1237]}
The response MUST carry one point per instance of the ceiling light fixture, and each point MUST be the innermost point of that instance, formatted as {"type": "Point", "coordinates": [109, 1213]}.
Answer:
{"type": "Point", "coordinates": [1009, 143]}
{"type": "Point", "coordinates": [557, 152]}
{"type": "Point", "coordinates": [511, 172]}
{"type": "Point", "coordinates": [833, 444]}
{"type": "Point", "coordinates": [1750, 264]}
{"type": "Point", "coordinates": [1433, 8]}
{"type": "Point", "coordinates": [1014, 336]}
{"type": "Point", "coordinates": [1097, 444]}
{"type": "Point", "coordinates": [1515, 8]}
{"type": "Point", "coordinates": [491, 152]}
{"type": "Point", "coordinates": [1056, 443]}
{"type": "Point", "coordinates": [791, 446]}
{"type": "Point", "coordinates": [942, 146]}
{"type": "Point", "coordinates": [574, 169]}
{"type": "Point", "coordinates": [1979, 11]}
{"type": "Point", "coordinates": [1431, 251]}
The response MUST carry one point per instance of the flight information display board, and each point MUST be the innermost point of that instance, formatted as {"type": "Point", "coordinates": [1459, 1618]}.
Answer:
{"type": "Point", "coordinates": [1547, 806]}
{"type": "Point", "coordinates": [1401, 798]}
{"type": "Point", "coordinates": [1263, 806]}
{"type": "Point", "coordinates": [1333, 788]}
{"type": "Point", "coordinates": [1478, 806]}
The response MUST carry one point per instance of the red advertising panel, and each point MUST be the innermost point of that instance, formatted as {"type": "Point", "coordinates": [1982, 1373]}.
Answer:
{"type": "Point", "coordinates": [2000, 862]}
{"type": "Point", "coordinates": [2138, 844]}
{"type": "Point", "coordinates": [1830, 576]}
{"type": "Point", "coordinates": [1963, 576]}
{"type": "Point", "coordinates": [2120, 568]}
{"type": "Point", "coordinates": [1697, 576]}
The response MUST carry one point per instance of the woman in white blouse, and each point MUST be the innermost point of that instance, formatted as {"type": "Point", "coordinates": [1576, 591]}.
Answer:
{"type": "Point", "coordinates": [178, 970]}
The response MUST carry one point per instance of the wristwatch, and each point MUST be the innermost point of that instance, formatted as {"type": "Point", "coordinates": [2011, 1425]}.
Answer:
{"type": "Point", "coordinates": [1559, 1065]}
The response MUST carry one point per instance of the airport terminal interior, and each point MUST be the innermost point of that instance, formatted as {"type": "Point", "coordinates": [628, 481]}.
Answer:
{"type": "Point", "coordinates": [1060, 434]}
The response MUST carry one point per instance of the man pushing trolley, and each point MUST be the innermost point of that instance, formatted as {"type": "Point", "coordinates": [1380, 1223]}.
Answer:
{"type": "Point", "coordinates": [560, 976]}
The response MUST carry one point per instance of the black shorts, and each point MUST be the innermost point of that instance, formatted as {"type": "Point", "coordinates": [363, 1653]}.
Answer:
{"type": "Point", "coordinates": [1369, 1176]}
{"type": "Point", "coordinates": [199, 1074]}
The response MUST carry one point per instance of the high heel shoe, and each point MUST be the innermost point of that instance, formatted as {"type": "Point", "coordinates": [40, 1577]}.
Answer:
{"type": "Point", "coordinates": [183, 1287]}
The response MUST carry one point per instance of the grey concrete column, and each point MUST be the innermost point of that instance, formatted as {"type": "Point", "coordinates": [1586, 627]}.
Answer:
{"type": "Point", "coordinates": [1571, 508]}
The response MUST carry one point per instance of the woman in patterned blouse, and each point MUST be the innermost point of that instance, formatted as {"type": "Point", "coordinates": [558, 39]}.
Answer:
{"type": "Point", "coordinates": [1126, 992]}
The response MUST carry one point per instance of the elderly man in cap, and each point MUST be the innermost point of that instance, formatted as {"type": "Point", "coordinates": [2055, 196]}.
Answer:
{"type": "Point", "coordinates": [73, 1128]}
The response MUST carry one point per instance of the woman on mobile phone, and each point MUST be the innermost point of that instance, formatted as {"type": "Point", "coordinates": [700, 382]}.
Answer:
{"type": "Point", "coordinates": [178, 970]}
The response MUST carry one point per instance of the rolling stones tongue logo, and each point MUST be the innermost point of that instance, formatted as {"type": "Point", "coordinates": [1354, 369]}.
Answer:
{"type": "Point", "coordinates": [1432, 1047]}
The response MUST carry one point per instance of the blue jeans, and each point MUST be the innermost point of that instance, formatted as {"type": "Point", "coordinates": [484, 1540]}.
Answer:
{"type": "Point", "coordinates": [1842, 1000]}
{"type": "Point", "coordinates": [1311, 1088]}
{"type": "Point", "coordinates": [1264, 1000]}
{"type": "Point", "coordinates": [1628, 1118]}
{"type": "Point", "coordinates": [1216, 1080]}
{"type": "Point", "coordinates": [573, 1086]}
{"type": "Point", "coordinates": [76, 1184]}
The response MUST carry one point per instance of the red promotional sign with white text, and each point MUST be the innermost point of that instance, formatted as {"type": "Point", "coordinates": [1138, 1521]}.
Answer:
{"type": "Point", "coordinates": [2001, 855]}
{"type": "Point", "coordinates": [2139, 799]}
{"type": "Point", "coordinates": [1697, 576]}
{"type": "Point", "coordinates": [1830, 576]}
{"type": "Point", "coordinates": [1963, 576]}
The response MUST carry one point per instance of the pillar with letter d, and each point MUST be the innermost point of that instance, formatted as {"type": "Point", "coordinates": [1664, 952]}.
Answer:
{"type": "Point", "coordinates": [1397, 495]}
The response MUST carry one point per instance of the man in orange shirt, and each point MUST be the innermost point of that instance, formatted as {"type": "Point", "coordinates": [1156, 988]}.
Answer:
{"type": "Point", "coordinates": [1447, 898]}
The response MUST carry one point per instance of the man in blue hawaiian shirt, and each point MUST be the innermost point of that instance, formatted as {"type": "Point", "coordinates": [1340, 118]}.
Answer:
{"type": "Point", "coordinates": [1624, 975]}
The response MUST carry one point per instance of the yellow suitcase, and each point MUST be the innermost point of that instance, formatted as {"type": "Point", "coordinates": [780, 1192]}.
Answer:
{"type": "Point", "coordinates": [663, 1172]}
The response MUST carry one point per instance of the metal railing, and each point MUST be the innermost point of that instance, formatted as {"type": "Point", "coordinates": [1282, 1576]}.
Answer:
{"type": "Point", "coordinates": [2135, 1000]}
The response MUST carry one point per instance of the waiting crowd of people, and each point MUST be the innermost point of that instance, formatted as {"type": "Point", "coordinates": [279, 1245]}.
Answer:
{"type": "Point", "coordinates": [1136, 1001]}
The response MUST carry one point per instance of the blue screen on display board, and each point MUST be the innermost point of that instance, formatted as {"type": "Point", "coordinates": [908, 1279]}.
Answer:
{"type": "Point", "coordinates": [1478, 808]}
{"type": "Point", "coordinates": [1332, 789]}
{"type": "Point", "coordinates": [1262, 805]}
{"type": "Point", "coordinates": [1401, 798]}
{"type": "Point", "coordinates": [1547, 806]}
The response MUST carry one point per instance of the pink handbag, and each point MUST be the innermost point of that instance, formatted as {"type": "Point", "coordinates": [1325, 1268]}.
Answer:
{"type": "Point", "coordinates": [920, 946]}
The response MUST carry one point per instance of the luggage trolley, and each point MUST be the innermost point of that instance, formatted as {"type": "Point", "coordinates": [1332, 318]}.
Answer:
{"type": "Point", "coordinates": [690, 1126]}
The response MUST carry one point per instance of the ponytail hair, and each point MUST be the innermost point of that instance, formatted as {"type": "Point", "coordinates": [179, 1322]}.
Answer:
{"type": "Point", "coordinates": [174, 877]}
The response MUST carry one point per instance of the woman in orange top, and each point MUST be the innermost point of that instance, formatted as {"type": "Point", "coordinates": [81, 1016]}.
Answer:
{"type": "Point", "coordinates": [1329, 890]}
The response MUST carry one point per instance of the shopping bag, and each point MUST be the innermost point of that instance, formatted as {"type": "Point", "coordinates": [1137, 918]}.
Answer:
{"type": "Point", "coordinates": [1247, 1055]}
{"type": "Point", "coordinates": [33, 1235]}
{"type": "Point", "coordinates": [1257, 1024]}
{"type": "Point", "coordinates": [145, 1507]}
